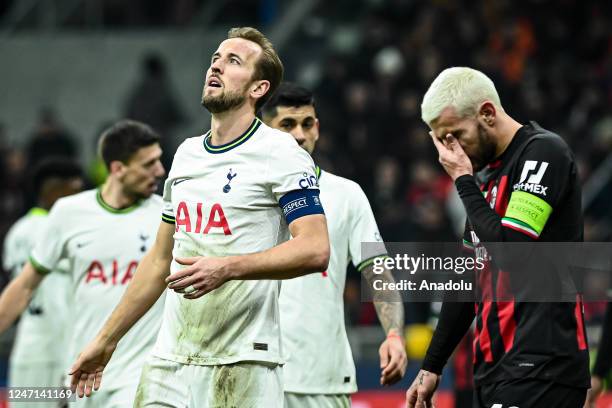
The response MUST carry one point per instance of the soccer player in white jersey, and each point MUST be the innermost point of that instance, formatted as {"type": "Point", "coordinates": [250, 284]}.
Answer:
{"type": "Point", "coordinates": [43, 324]}
{"type": "Point", "coordinates": [319, 370]}
{"type": "Point", "coordinates": [232, 197]}
{"type": "Point", "coordinates": [103, 234]}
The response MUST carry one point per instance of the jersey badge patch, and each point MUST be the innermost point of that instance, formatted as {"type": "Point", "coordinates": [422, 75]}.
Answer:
{"type": "Point", "coordinates": [230, 176]}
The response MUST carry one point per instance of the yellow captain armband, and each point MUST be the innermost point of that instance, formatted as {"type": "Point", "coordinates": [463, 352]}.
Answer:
{"type": "Point", "coordinates": [526, 213]}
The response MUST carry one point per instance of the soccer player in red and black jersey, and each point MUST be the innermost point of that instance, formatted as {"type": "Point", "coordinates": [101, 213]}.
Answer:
{"type": "Point", "coordinates": [526, 354]}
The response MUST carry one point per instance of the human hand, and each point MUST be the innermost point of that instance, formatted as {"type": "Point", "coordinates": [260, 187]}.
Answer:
{"type": "Point", "coordinates": [452, 156]}
{"type": "Point", "coordinates": [393, 359]}
{"type": "Point", "coordinates": [87, 370]}
{"type": "Point", "coordinates": [420, 393]}
{"type": "Point", "coordinates": [201, 275]}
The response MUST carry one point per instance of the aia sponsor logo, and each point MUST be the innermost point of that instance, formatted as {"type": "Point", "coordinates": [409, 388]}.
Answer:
{"type": "Point", "coordinates": [111, 275]}
{"type": "Point", "coordinates": [188, 221]}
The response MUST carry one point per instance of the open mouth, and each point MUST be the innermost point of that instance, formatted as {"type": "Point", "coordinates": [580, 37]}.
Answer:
{"type": "Point", "coordinates": [214, 83]}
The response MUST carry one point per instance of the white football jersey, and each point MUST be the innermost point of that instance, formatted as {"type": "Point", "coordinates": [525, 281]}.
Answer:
{"type": "Point", "coordinates": [317, 352]}
{"type": "Point", "coordinates": [224, 200]}
{"type": "Point", "coordinates": [42, 325]}
{"type": "Point", "coordinates": [103, 247]}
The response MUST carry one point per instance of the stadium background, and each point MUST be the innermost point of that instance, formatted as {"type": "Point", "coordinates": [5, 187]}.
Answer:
{"type": "Point", "coordinates": [69, 68]}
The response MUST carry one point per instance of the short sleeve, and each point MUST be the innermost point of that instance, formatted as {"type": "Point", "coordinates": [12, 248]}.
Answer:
{"type": "Point", "coordinates": [9, 261]}
{"type": "Point", "coordinates": [363, 229]}
{"type": "Point", "coordinates": [50, 246]}
{"type": "Point", "coordinates": [171, 181]}
{"type": "Point", "coordinates": [538, 185]}
{"type": "Point", "coordinates": [292, 178]}
{"type": "Point", "coordinates": [167, 208]}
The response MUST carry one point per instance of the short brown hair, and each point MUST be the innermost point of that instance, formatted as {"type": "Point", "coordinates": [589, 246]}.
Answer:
{"type": "Point", "coordinates": [269, 65]}
{"type": "Point", "coordinates": [122, 140]}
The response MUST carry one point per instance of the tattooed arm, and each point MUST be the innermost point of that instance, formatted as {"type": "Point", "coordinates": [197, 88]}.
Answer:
{"type": "Point", "coordinates": [422, 390]}
{"type": "Point", "coordinates": [388, 304]}
{"type": "Point", "coordinates": [390, 311]}
{"type": "Point", "coordinates": [455, 320]}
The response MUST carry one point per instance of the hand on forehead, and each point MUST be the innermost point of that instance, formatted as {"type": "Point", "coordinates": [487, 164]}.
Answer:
{"type": "Point", "coordinates": [440, 136]}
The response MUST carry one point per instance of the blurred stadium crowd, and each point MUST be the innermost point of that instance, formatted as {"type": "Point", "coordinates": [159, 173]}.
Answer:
{"type": "Point", "coordinates": [369, 63]}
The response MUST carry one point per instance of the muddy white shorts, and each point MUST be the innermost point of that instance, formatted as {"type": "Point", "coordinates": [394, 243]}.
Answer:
{"type": "Point", "coordinates": [165, 383]}
{"type": "Point", "coordinates": [104, 398]}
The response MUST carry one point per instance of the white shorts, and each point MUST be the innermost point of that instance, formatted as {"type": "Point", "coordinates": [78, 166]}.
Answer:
{"type": "Point", "coordinates": [119, 398]}
{"type": "Point", "coordinates": [35, 375]}
{"type": "Point", "coordinates": [293, 400]}
{"type": "Point", "coordinates": [165, 383]}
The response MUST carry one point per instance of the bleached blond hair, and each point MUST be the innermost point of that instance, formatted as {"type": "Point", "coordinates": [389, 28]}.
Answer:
{"type": "Point", "coordinates": [461, 88]}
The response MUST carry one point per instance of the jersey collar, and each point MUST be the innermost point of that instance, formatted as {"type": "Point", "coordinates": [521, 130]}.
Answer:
{"type": "Point", "coordinates": [234, 143]}
{"type": "Point", "coordinates": [318, 172]}
{"type": "Point", "coordinates": [38, 211]}
{"type": "Point", "coordinates": [114, 210]}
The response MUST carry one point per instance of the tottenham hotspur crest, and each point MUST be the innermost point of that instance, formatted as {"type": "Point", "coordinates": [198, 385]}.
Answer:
{"type": "Point", "coordinates": [143, 242]}
{"type": "Point", "coordinates": [230, 176]}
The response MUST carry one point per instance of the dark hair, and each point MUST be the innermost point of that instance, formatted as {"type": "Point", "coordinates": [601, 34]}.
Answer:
{"type": "Point", "coordinates": [62, 168]}
{"type": "Point", "coordinates": [123, 139]}
{"type": "Point", "coordinates": [269, 65]}
{"type": "Point", "coordinates": [288, 94]}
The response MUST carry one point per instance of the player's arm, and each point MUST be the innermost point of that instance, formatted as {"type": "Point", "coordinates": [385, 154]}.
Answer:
{"type": "Point", "coordinates": [454, 321]}
{"type": "Point", "coordinates": [363, 229]}
{"type": "Point", "coordinates": [307, 252]}
{"type": "Point", "coordinates": [17, 295]}
{"type": "Point", "coordinates": [145, 288]}
{"type": "Point", "coordinates": [544, 174]}
{"type": "Point", "coordinates": [388, 304]}
{"type": "Point", "coordinates": [390, 312]}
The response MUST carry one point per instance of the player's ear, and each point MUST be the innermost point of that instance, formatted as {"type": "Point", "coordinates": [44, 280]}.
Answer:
{"type": "Point", "coordinates": [487, 113]}
{"type": "Point", "coordinates": [259, 88]}
{"type": "Point", "coordinates": [117, 168]}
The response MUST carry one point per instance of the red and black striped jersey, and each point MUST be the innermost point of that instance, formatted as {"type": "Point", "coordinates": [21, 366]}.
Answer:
{"type": "Point", "coordinates": [533, 194]}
